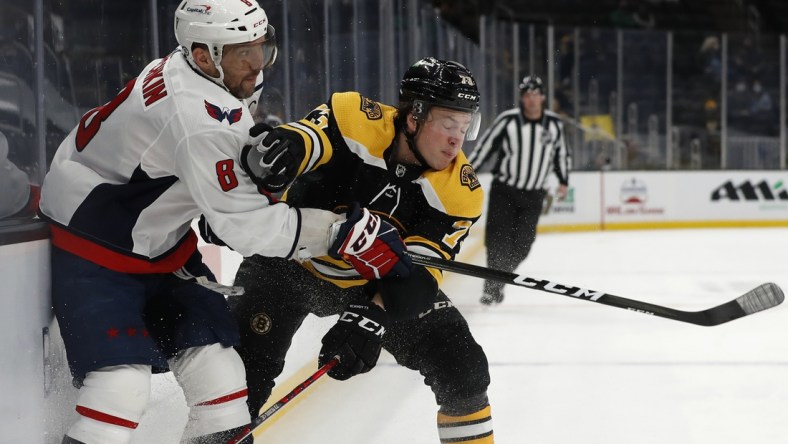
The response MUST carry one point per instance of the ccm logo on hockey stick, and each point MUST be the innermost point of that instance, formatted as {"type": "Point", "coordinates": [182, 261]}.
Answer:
{"type": "Point", "coordinates": [553, 287]}
{"type": "Point", "coordinates": [363, 322]}
{"type": "Point", "coordinates": [437, 306]}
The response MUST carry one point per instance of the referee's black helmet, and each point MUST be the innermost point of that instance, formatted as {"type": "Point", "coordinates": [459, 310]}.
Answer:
{"type": "Point", "coordinates": [531, 83]}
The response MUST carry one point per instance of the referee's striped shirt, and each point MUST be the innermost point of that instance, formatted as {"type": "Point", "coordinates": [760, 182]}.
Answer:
{"type": "Point", "coordinates": [524, 150]}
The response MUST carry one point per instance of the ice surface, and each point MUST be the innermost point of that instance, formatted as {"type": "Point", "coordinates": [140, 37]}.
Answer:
{"type": "Point", "coordinates": [572, 371]}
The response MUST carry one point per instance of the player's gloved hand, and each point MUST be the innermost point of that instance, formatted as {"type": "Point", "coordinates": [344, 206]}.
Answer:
{"type": "Point", "coordinates": [272, 156]}
{"type": "Point", "coordinates": [356, 339]}
{"type": "Point", "coordinates": [207, 234]}
{"type": "Point", "coordinates": [194, 270]}
{"type": "Point", "coordinates": [371, 245]}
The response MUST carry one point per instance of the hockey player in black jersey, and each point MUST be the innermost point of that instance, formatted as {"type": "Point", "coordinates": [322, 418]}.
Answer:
{"type": "Point", "coordinates": [406, 165]}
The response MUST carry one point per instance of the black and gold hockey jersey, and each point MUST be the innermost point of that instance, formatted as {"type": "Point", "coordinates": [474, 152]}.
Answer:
{"type": "Point", "coordinates": [349, 144]}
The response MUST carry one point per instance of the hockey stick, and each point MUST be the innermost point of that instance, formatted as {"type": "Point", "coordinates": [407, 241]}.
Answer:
{"type": "Point", "coordinates": [760, 298]}
{"type": "Point", "coordinates": [256, 422]}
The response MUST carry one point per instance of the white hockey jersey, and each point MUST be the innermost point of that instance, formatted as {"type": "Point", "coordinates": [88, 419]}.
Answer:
{"type": "Point", "coordinates": [126, 183]}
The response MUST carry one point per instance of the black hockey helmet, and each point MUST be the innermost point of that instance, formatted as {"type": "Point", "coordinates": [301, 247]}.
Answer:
{"type": "Point", "coordinates": [432, 82]}
{"type": "Point", "coordinates": [532, 83]}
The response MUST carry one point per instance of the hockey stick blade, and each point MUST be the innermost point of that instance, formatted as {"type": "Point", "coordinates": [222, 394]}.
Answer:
{"type": "Point", "coordinates": [763, 297]}
{"type": "Point", "coordinates": [760, 298]}
{"type": "Point", "coordinates": [258, 421]}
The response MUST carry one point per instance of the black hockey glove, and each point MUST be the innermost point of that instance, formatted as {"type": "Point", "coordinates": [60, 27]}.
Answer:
{"type": "Point", "coordinates": [371, 245]}
{"type": "Point", "coordinates": [272, 157]}
{"type": "Point", "coordinates": [356, 339]}
{"type": "Point", "coordinates": [195, 271]}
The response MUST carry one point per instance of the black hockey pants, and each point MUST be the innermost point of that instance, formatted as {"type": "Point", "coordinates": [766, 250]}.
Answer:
{"type": "Point", "coordinates": [279, 295]}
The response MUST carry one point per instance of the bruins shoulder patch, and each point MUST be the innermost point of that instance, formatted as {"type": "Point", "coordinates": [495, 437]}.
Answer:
{"type": "Point", "coordinates": [468, 177]}
{"type": "Point", "coordinates": [371, 108]}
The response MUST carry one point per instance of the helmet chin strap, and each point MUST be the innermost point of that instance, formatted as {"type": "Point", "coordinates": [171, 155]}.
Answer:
{"type": "Point", "coordinates": [410, 138]}
{"type": "Point", "coordinates": [217, 80]}
{"type": "Point", "coordinates": [220, 80]}
{"type": "Point", "coordinates": [217, 62]}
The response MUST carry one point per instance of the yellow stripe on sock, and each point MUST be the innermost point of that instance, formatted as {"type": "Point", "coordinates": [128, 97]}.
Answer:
{"type": "Point", "coordinates": [481, 414]}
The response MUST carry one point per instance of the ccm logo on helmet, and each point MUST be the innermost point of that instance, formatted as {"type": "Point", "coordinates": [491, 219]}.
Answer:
{"type": "Point", "coordinates": [260, 23]}
{"type": "Point", "coordinates": [466, 96]}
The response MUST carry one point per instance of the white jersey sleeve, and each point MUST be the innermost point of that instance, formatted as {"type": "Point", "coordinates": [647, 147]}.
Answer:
{"type": "Point", "coordinates": [127, 182]}
{"type": "Point", "coordinates": [245, 219]}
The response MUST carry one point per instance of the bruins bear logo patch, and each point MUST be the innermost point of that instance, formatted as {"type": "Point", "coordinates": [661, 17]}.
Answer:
{"type": "Point", "coordinates": [468, 177]}
{"type": "Point", "coordinates": [261, 323]}
{"type": "Point", "coordinates": [371, 108]}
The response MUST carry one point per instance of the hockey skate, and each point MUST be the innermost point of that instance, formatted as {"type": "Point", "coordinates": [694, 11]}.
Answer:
{"type": "Point", "coordinates": [491, 298]}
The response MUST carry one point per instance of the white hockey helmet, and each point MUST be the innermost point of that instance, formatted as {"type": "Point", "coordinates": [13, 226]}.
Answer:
{"type": "Point", "coordinates": [216, 23]}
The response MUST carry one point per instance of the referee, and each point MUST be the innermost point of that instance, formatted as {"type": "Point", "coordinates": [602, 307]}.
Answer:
{"type": "Point", "coordinates": [524, 143]}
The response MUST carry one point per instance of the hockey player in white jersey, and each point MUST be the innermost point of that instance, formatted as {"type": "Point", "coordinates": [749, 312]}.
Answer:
{"type": "Point", "coordinates": [128, 286]}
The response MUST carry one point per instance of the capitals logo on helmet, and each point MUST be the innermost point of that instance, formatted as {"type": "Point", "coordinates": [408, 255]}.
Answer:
{"type": "Point", "coordinates": [200, 9]}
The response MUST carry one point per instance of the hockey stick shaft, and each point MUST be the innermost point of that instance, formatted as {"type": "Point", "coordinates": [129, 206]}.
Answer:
{"type": "Point", "coordinates": [760, 298]}
{"type": "Point", "coordinates": [256, 422]}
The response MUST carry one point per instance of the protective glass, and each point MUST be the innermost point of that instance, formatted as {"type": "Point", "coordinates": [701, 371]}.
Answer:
{"type": "Point", "coordinates": [456, 124]}
{"type": "Point", "coordinates": [473, 129]}
{"type": "Point", "coordinates": [266, 51]}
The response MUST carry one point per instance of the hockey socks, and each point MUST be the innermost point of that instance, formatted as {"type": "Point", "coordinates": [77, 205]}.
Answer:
{"type": "Point", "coordinates": [110, 404]}
{"type": "Point", "coordinates": [474, 428]}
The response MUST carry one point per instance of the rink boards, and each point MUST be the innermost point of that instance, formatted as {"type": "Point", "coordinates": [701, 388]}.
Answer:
{"type": "Point", "coordinates": [666, 199]}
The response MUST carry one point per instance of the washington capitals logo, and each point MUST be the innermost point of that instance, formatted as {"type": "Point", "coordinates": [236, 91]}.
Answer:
{"type": "Point", "coordinates": [232, 115]}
